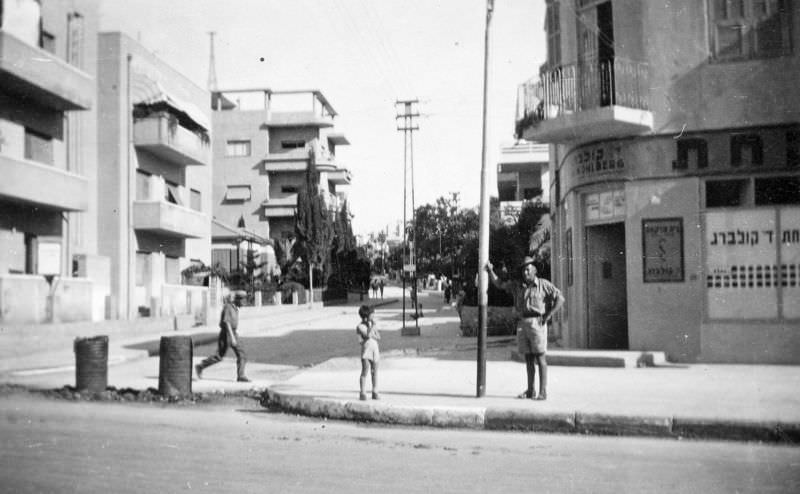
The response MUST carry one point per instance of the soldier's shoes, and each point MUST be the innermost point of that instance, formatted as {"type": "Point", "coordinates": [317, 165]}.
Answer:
{"type": "Point", "coordinates": [362, 396]}
{"type": "Point", "coordinates": [376, 396]}
{"type": "Point", "coordinates": [199, 371]}
{"type": "Point", "coordinates": [243, 380]}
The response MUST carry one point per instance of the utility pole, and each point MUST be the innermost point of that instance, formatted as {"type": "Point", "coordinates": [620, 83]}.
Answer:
{"type": "Point", "coordinates": [409, 113]}
{"type": "Point", "coordinates": [483, 240]}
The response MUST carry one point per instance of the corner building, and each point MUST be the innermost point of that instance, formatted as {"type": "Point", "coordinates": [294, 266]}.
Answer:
{"type": "Point", "coordinates": [674, 132]}
{"type": "Point", "coordinates": [49, 267]}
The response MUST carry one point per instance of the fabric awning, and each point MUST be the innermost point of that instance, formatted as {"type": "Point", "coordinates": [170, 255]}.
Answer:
{"type": "Point", "coordinates": [238, 193]}
{"type": "Point", "coordinates": [147, 91]}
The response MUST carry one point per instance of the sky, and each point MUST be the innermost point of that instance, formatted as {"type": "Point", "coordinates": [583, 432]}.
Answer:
{"type": "Point", "coordinates": [364, 55]}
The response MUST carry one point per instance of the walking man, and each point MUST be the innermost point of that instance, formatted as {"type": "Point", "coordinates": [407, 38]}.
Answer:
{"type": "Point", "coordinates": [228, 323]}
{"type": "Point", "coordinates": [535, 301]}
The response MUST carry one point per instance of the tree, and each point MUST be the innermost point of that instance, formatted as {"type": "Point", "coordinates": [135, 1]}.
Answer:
{"type": "Point", "coordinates": [313, 228]}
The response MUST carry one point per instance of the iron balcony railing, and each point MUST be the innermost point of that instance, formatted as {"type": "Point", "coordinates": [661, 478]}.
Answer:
{"type": "Point", "coordinates": [583, 86]}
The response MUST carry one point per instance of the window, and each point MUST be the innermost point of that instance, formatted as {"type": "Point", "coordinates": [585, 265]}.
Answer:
{"type": "Point", "coordinates": [142, 268]}
{"type": "Point", "coordinates": [172, 194]}
{"type": "Point", "coordinates": [777, 190]}
{"type": "Point", "coordinates": [507, 191]}
{"type": "Point", "coordinates": [726, 193]}
{"type": "Point", "coordinates": [142, 185]}
{"type": "Point", "coordinates": [195, 200]}
{"type": "Point", "coordinates": [692, 154]}
{"type": "Point", "coordinates": [531, 193]}
{"type": "Point", "coordinates": [553, 28]}
{"type": "Point", "coordinates": [237, 148]}
{"type": "Point", "coordinates": [744, 29]}
{"type": "Point", "coordinates": [38, 147]}
{"type": "Point", "coordinates": [746, 149]}
{"type": "Point", "coordinates": [172, 272]}
{"type": "Point", "coordinates": [47, 42]}
{"type": "Point", "coordinates": [238, 193]}
{"type": "Point", "coordinates": [289, 189]}
{"type": "Point", "coordinates": [293, 144]}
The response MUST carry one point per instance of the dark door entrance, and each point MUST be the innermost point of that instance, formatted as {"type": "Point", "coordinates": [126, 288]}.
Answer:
{"type": "Point", "coordinates": [607, 300]}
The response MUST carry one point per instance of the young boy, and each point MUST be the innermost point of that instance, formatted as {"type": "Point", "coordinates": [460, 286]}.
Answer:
{"type": "Point", "coordinates": [370, 354]}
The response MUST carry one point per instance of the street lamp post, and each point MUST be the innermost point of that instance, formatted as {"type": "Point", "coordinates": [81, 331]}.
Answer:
{"type": "Point", "coordinates": [483, 244]}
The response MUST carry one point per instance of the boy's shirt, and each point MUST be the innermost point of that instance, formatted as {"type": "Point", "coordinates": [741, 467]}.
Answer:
{"type": "Point", "coordinates": [366, 331]}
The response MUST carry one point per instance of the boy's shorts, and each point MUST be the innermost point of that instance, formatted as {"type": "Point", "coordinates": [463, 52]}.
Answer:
{"type": "Point", "coordinates": [369, 350]}
{"type": "Point", "coordinates": [531, 336]}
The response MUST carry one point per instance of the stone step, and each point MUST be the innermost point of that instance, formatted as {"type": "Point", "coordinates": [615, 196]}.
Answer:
{"type": "Point", "coordinates": [601, 358]}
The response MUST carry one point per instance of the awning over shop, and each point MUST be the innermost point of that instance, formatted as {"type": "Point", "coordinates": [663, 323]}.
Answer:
{"type": "Point", "coordinates": [222, 232]}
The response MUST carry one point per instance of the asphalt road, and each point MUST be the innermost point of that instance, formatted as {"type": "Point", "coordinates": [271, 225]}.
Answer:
{"type": "Point", "coordinates": [55, 446]}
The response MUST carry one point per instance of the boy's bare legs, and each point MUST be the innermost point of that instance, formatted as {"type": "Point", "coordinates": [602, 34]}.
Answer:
{"type": "Point", "coordinates": [362, 380]}
{"type": "Point", "coordinates": [541, 361]}
{"type": "Point", "coordinates": [375, 395]}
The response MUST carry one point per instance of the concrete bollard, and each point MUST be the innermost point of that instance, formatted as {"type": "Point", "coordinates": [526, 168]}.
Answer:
{"type": "Point", "coordinates": [91, 364]}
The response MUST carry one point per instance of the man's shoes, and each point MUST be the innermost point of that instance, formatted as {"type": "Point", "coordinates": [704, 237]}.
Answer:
{"type": "Point", "coordinates": [375, 396]}
{"type": "Point", "coordinates": [542, 396]}
{"type": "Point", "coordinates": [243, 380]}
{"type": "Point", "coordinates": [362, 396]}
{"type": "Point", "coordinates": [525, 395]}
{"type": "Point", "coordinates": [199, 370]}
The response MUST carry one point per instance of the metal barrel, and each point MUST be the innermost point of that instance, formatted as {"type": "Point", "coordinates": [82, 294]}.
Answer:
{"type": "Point", "coordinates": [91, 363]}
{"type": "Point", "coordinates": [175, 366]}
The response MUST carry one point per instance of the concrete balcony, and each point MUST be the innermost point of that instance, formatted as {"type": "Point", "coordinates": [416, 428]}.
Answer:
{"type": "Point", "coordinates": [340, 176]}
{"type": "Point", "coordinates": [170, 142]}
{"type": "Point", "coordinates": [42, 185]}
{"type": "Point", "coordinates": [42, 77]}
{"type": "Point", "coordinates": [586, 101]}
{"type": "Point", "coordinates": [280, 207]}
{"type": "Point", "coordinates": [170, 220]}
{"type": "Point", "coordinates": [294, 160]}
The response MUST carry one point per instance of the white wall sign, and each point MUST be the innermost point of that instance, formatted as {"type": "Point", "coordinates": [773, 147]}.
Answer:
{"type": "Point", "coordinates": [49, 258]}
{"type": "Point", "coordinates": [741, 264]}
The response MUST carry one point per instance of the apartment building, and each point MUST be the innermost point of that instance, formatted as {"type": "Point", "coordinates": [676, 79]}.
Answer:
{"type": "Point", "coordinates": [49, 268]}
{"type": "Point", "coordinates": [675, 165]}
{"type": "Point", "coordinates": [522, 175]}
{"type": "Point", "coordinates": [264, 141]}
{"type": "Point", "coordinates": [154, 181]}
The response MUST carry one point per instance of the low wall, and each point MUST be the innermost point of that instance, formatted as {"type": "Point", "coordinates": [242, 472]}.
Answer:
{"type": "Point", "coordinates": [29, 299]}
{"type": "Point", "coordinates": [501, 321]}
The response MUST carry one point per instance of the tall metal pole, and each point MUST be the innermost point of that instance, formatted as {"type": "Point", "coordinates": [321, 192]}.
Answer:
{"type": "Point", "coordinates": [408, 128]}
{"type": "Point", "coordinates": [483, 245]}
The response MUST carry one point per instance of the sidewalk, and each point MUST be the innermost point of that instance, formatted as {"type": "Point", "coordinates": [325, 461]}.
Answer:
{"type": "Point", "coordinates": [430, 380]}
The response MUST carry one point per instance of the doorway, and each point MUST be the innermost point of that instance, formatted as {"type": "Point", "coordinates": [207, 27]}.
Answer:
{"type": "Point", "coordinates": [607, 300]}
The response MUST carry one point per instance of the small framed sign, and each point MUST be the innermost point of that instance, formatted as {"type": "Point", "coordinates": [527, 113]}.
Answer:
{"type": "Point", "coordinates": [662, 250]}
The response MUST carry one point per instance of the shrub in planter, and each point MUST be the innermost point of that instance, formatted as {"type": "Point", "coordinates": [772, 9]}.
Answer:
{"type": "Point", "coordinates": [501, 321]}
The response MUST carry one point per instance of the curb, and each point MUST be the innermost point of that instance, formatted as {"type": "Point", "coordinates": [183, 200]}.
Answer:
{"type": "Point", "coordinates": [529, 420]}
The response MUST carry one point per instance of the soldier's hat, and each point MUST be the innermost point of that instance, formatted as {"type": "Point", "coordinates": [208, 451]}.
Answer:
{"type": "Point", "coordinates": [528, 260]}
{"type": "Point", "coordinates": [239, 294]}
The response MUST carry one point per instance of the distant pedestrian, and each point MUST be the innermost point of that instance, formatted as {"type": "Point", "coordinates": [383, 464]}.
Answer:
{"type": "Point", "coordinates": [228, 324]}
{"type": "Point", "coordinates": [448, 291]}
{"type": "Point", "coordinates": [374, 285]}
{"type": "Point", "coordinates": [382, 284]}
{"type": "Point", "coordinates": [370, 354]}
{"type": "Point", "coordinates": [535, 301]}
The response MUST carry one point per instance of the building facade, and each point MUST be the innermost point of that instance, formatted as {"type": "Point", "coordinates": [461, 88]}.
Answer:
{"type": "Point", "coordinates": [154, 181]}
{"type": "Point", "coordinates": [264, 141]}
{"type": "Point", "coordinates": [522, 175]}
{"type": "Point", "coordinates": [49, 268]}
{"type": "Point", "coordinates": [675, 165]}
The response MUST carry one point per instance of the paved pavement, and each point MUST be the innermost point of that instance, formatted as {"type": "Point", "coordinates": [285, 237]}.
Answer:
{"type": "Point", "coordinates": [431, 380]}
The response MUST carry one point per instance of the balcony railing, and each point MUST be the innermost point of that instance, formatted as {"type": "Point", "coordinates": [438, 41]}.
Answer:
{"type": "Point", "coordinates": [584, 86]}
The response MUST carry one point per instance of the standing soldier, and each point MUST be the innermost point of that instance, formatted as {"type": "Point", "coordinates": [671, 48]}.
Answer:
{"type": "Point", "coordinates": [228, 323]}
{"type": "Point", "coordinates": [535, 301]}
